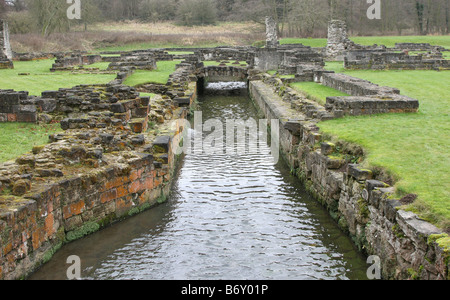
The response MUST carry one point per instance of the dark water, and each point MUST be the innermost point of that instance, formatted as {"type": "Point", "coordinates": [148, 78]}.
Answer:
{"type": "Point", "coordinates": [229, 217]}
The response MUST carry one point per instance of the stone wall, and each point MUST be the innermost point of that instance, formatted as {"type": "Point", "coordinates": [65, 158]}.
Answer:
{"type": "Point", "coordinates": [223, 73]}
{"type": "Point", "coordinates": [271, 33]}
{"type": "Point", "coordinates": [382, 60]}
{"type": "Point", "coordinates": [365, 98]}
{"type": "Point", "coordinates": [417, 47]}
{"type": "Point", "coordinates": [139, 60]}
{"type": "Point", "coordinates": [107, 165]}
{"type": "Point", "coordinates": [246, 54]}
{"type": "Point", "coordinates": [17, 107]}
{"type": "Point", "coordinates": [6, 54]}
{"type": "Point", "coordinates": [355, 86]}
{"type": "Point", "coordinates": [338, 41]}
{"type": "Point", "coordinates": [67, 62]}
{"type": "Point", "coordinates": [361, 203]}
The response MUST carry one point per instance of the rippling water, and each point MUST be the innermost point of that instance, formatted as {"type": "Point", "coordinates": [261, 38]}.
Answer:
{"type": "Point", "coordinates": [229, 217]}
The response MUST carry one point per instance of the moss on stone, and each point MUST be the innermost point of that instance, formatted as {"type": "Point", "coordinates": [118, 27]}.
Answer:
{"type": "Point", "coordinates": [442, 240]}
{"type": "Point", "coordinates": [86, 229]}
{"type": "Point", "coordinates": [363, 208]}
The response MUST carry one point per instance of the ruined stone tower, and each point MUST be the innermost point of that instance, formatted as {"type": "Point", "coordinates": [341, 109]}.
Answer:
{"type": "Point", "coordinates": [271, 33]}
{"type": "Point", "coordinates": [6, 54]}
{"type": "Point", "coordinates": [338, 41]}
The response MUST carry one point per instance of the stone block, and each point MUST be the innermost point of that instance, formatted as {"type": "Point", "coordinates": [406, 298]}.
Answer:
{"type": "Point", "coordinates": [327, 148]}
{"type": "Point", "coordinates": [359, 174]}
{"type": "Point", "coordinates": [162, 144]}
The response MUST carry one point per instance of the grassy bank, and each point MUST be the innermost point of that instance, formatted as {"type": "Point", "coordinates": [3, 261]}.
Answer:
{"type": "Point", "coordinates": [413, 147]}
{"type": "Point", "coordinates": [41, 79]}
{"type": "Point", "coordinates": [316, 92]}
{"type": "Point", "coordinates": [161, 75]}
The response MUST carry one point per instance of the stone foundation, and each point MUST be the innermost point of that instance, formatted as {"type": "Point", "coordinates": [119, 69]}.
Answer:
{"type": "Point", "coordinates": [68, 62]}
{"type": "Point", "coordinates": [384, 60]}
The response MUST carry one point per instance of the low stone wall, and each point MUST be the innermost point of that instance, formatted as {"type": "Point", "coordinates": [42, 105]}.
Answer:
{"type": "Point", "coordinates": [355, 86]}
{"type": "Point", "coordinates": [361, 203]}
{"type": "Point", "coordinates": [141, 61]}
{"type": "Point", "coordinates": [227, 53]}
{"type": "Point", "coordinates": [366, 98]}
{"type": "Point", "coordinates": [417, 47]}
{"type": "Point", "coordinates": [17, 107]}
{"type": "Point", "coordinates": [68, 62]}
{"type": "Point", "coordinates": [382, 60]}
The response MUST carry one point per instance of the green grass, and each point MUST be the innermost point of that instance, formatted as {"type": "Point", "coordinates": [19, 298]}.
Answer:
{"type": "Point", "coordinates": [316, 91]}
{"type": "Point", "coordinates": [41, 79]}
{"type": "Point", "coordinates": [161, 75]}
{"type": "Point", "coordinates": [412, 147]}
{"type": "Point", "coordinates": [17, 139]}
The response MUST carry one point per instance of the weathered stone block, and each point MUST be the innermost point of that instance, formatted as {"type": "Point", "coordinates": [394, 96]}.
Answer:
{"type": "Point", "coordinates": [359, 174]}
{"type": "Point", "coordinates": [162, 144]}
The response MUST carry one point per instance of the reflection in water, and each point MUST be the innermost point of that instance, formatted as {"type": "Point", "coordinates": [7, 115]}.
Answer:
{"type": "Point", "coordinates": [229, 217]}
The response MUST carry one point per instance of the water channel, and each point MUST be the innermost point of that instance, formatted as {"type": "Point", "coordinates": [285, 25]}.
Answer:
{"type": "Point", "coordinates": [229, 218]}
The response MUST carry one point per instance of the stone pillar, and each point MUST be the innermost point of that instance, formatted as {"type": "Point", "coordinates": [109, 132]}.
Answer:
{"type": "Point", "coordinates": [338, 41]}
{"type": "Point", "coordinates": [271, 33]}
{"type": "Point", "coordinates": [6, 54]}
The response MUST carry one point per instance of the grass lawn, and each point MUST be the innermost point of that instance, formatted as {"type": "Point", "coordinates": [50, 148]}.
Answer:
{"type": "Point", "coordinates": [412, 147]}
{"type": "Point", "coordinates": [41, 79]}
{"type": "Point", "coordinates": [19, 138]}
{"type": "Point", "coordinates": [161, 75]}
{"type": "Point", "coordinates": [316, 91]}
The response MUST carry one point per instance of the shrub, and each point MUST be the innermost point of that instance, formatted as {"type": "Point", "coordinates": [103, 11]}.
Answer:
{"type": "Point", "coordinates": [197, 12]}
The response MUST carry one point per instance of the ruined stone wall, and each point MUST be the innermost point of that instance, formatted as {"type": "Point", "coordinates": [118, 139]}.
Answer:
{"type": "Point", "coordinates": [17, 107]}
{"type": "Point", "coordinates": [382, 60]}
{"type": "Point", "coordinates": [338, 41]}
{"type": "Point", "coordinates": [67, 62]}
{"type": "Point", "coordinates": [246, 54]}
{"type": "Point", "coordinates": [361, 203]}
{"type": "Point", "coordinates": [365, 97]}
{"type": "Point", "coordinates": [355, 86]}
{"type": "Point", "coordinates": [224, 73]}
{"type": "Point", "coordinates": [271, 33]}
{"type": "Point", "coordinates": [105, 166]}
{"type": "Point", "coordinates": [6, 54]}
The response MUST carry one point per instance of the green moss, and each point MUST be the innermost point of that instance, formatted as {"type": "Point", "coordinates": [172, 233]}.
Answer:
{"type": "Point", "coordinates": [442, 240]}
{"type": "Point", "coordinates": [106, 221]}
{"type": "Point", "coordinates": [49, 254]}
{"type": "Point", "coordinates": [363, 208]}
{"type": "Point", "coordinates": [134, 211]}
{"type": "Point", "coordinates": [86, 229]}
{"type": "Point", "coordinates": [415, 275]}
{"type": "Point", "coordinates": [161, 199]}
{"type": "Point", "coordinates": [398, 232]}
{"type": "Point", "coordinates": [343, 224]}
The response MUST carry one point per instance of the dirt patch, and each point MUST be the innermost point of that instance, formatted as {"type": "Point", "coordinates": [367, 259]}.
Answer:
{"type": "Point", "coordinates": [408, 199]}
